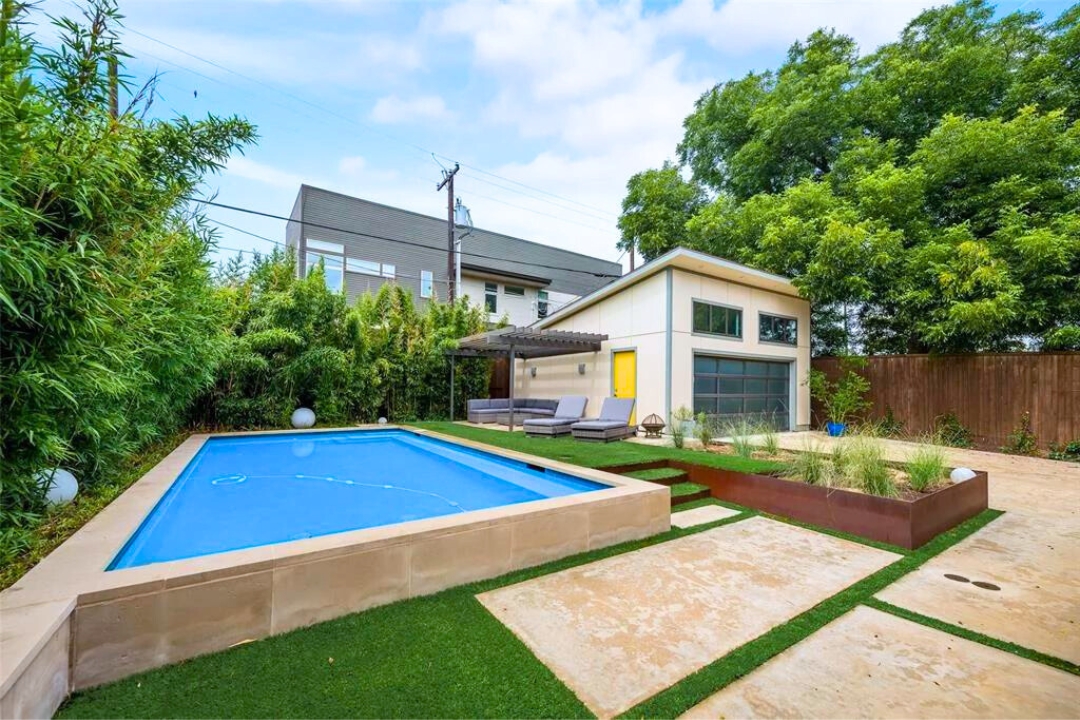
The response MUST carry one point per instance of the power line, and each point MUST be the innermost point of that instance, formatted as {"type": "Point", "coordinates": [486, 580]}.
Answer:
{"type": "Point", "coordinates": [370, 128]}
{"type": "Point", "coordinates": [272, 216]}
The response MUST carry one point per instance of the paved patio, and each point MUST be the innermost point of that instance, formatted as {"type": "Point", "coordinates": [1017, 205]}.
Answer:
{"type": "Point", "coordinates": [872, 664]}
{"type": "Point", "coordinates": [620, 630]}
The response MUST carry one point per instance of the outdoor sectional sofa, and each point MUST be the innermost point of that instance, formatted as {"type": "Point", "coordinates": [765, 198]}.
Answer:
{"type": "Point", "coordinates": [497, 410]}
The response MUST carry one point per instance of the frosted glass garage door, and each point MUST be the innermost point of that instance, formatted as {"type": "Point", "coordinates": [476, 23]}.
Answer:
{"type": "Point", "coordinates": [732, 390]}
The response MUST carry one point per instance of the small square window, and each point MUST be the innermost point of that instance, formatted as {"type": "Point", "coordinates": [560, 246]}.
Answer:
{"type": "Point", "coordinates": [772, 328]}
{"type": "Point", "coordinates": [389, 271]}
{"type": "Point", "coordinates": [515, 290]}
{"type": "Point", "coordinates": [427, 282]}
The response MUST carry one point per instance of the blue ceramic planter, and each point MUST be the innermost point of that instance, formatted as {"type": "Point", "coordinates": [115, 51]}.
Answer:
{"type": "Point", "coordinates": [835, 429]}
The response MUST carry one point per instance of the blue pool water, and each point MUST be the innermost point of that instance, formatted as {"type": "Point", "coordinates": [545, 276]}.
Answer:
{"type": "Point", "coordinates": [257, 490]}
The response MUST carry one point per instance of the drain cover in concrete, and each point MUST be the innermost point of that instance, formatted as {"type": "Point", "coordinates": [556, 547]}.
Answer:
{"type": "Point", "coordinates": [701, 515]}
{"type": "Point", "coordinates": [620, 630]}
{"type": "Point", "coordinates": [872, 664]}
{"type": "Point", "coordinates": [1025, 584]}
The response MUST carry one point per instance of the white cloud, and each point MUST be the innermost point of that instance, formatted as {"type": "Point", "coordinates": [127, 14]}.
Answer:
{"type": "Point", "coordinates": [392, 109]}
{"type": "Point", "coordinates": [351, 165]}
{"type": "Point", "coordinates": [248, 169]}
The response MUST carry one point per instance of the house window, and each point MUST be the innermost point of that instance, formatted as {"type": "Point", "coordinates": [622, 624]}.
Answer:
{"type": "Point", "coordinates": [427, 282]}
{"type": "Point", "coordinates": [717, 320]}
{"type": "Point", "coordinates": [778, 329]}
{"type": "Point", "coordinates": [491, 297]}
{"type": "Point", "coordinates": [323, 246]}
{"type": "Point", "coordinates": [369, 267]}
{"type": "Point", "coordinates": [515, 290]}
{"type": "Point", "coordinates": [541, 304]}
{"type": "Point", "coordinates": [332, 268]}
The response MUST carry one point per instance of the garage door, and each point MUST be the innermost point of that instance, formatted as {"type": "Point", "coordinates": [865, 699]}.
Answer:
{"type": "Point", "coordinates": [732, 390]}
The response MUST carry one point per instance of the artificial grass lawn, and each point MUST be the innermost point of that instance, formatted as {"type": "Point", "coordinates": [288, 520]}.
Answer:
{"type": "Point", "coordinates": [686, 488]}
{"type": "Point", "coordinates": [441, 656]}
{"type": "Point", "coordinates": [653, 474]}
{"type": "Point", "coordinates": [587, 454]}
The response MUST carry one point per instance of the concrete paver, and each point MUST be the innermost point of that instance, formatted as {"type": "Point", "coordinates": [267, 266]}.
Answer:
{"type": "Point", "coordinates": [872, 664]}
{"type": "Point", "coordinates": [701, 515]}
{"type": "Point", "coordinates": [619, 630]}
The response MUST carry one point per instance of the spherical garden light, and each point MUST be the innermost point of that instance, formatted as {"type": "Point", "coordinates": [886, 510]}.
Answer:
{"type": "Point", "coordinates": [653, 425]}
{"type": "Point", "coordinates": [60, 485]}
{"type": "Point", "coordinates": [961, 474]}
{"type": "Point", "coordinates": [303, 418]}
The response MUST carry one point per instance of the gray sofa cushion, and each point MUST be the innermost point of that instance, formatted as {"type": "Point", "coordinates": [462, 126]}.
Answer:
{"type": "Point", "coordinates": [479, 404]}
{"type": "Point", "coordinates": [617, 409]}
{"type": "Point", "coordinates": [598, 424]}
{"type": "Point", "coordinates": [571, 406]}
{"type": "Point", "coordinates": [549, 422]}
{"type": "Point", "coordinates": [487, 411]}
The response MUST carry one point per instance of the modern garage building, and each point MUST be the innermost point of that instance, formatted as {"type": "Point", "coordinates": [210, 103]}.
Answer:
{"type": "Point", "coordinates": [687, 329]}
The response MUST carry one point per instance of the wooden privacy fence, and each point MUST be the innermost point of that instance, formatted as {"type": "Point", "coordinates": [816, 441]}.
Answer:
{"type": "Point", "coordinates": [987, 391]}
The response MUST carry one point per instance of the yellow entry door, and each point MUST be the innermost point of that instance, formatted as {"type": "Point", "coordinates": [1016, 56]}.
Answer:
{"type": "Point", "coordinates": [624, 377]}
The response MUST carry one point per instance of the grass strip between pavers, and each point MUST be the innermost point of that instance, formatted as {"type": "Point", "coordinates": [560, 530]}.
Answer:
{"type": "Point", "coordinates": [965, 633]}
{"type": "Point", "coordinates": [700, 685]}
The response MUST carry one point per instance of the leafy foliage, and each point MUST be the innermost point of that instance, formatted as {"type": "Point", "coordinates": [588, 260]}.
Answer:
{"type": "Point", "coordinates": [293, 342]}
{"type": "Point", "coordinates": [926, 467]}
{"type": "Point", "coordinates": [948, 430]}
{"type": "Point", "coordinates": [845, 396]}
{"type": "Point", "coordinates": [1022, 440]}
{"type": "Point", "coordinates": [657, 206]}
{"type": "Point", "coordinates": [923, 196]}
{"type": "Point", "coordinates": [1066, 451]}
{"type": "Point", "coordinates": [679, 418]}
{"type": "Point", "coordinates": [109, 320]}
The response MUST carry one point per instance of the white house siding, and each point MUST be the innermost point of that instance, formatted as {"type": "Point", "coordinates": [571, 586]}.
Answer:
{"type": "Point", "coordinates": [519, 310]}
{"type": "Point", "coordinates": [634, 318]}
{"type": "Point", "coordinates": [637, 318]}
{"type": "Point", "coordinates": [687, 287]}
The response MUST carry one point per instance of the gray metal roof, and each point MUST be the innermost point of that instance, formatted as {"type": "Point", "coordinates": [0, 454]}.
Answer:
{"type": "Point", "coordinates": [566, 271]}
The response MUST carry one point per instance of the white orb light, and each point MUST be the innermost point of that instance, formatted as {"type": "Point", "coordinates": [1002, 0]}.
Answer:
{"type": "Point", "coordinates": [961, 474]}
{"type": "Point", "coordinates": [382, 421]}
{"type": "Point", "coordinates": [303, 418]}
{"type": "Point", "coordinates": [61, 486]}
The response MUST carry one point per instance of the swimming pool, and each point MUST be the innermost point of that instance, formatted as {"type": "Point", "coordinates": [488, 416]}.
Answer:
{"type": "Point", "coordinates": [244, 492]}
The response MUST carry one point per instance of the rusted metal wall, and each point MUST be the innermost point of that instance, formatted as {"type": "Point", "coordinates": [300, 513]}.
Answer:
{"type": "Point", "coordinates": [987, 391]}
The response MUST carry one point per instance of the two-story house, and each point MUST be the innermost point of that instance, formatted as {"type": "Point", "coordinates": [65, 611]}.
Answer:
{"type": "Point", "coordinates": [364, 244]}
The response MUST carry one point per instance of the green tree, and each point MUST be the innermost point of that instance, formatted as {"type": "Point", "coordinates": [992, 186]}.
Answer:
{"type": "Point", "coordinates": [108, 315]}
{"type": "Point", "coordinates": [924, 197]}
{"type": "Point", "coordinates": [657, 205]}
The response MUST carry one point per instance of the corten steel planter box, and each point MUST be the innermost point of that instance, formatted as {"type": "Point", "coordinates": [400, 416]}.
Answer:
{"type": "Point", "coordinates": [906, 523]}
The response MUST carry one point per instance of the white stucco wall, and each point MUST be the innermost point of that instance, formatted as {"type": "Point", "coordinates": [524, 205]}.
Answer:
{"type": "Point", "coordinates": [636, 318]}
{"type": "Point", "coordinates": [687, 287]}
{"type": "Point", "coordinates": [632, 319]}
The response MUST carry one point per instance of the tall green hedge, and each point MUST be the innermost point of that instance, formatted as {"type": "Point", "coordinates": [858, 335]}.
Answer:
{"type": "Point", "coordinates": [108, 319]}
{"type": "Point", "coordinates": [294, 343]}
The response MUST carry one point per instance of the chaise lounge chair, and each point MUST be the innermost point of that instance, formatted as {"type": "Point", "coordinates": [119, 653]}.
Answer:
{"type": "Point", "coordinates": [613, 423]}
{"type": "Point", "coordinates": [569, 411]}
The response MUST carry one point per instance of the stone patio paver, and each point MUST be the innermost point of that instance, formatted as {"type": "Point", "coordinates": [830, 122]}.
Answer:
{"type": "Point", "coordinates": [701, 515]}
{"type": "Point", "coordinates": [619, 630]}
{"type": "Point", "coordinates": [872, 664]}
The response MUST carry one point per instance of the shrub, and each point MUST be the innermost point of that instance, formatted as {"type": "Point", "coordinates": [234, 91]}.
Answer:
{"type": "Point", "coordinates": [1066, 451]}
{"type": "Point", "coordinates": [741, 434]}
{"type": "Point", "coordinates": [1022, 440]}
{"type": "Point", "coordinates": [809, 465]}
{"type": "Point", "coordinates": [926, 467]}
{"type": "Point", "coordinates": [703, 430]}
{"type": "Point", "coordinates": [770, 439]}
{"type": "Point", "coordinates": [867, 469]}
{"type": "Point", "coordinates": [679, 417]}
{"type": "Point", "coordinates": [110, 323]}
{"type": "Point", "coordinates": [890, 426]}
{"type": "Point", "coordinates": [948, 430]}
{"type": "Point", "coordinates": [845, 397]}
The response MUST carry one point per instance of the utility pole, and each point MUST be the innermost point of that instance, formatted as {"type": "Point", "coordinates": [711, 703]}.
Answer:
{"type": "Point", "coordinates": [448, 183]}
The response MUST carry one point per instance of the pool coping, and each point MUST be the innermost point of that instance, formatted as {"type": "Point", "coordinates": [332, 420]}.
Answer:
{"type": "Point", "coordinates": [70, 593]}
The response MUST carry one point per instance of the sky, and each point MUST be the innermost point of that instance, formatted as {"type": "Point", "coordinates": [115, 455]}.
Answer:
{"type": "Point", "coordinates": [549, 106]}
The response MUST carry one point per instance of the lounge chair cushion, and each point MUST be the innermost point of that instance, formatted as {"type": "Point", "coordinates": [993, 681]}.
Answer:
{"type": "Point", "coordinates": [617, 409]}
{"type": "Point", "coordinates": [571, 406]}
{"type": "Point", "coordinates": [548, 422]}
{"type": "Point", "coordinates": [599, 424]}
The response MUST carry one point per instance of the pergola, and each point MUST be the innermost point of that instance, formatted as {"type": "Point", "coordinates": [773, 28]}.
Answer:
{"type": "Point", "coordinates": [521, 342]}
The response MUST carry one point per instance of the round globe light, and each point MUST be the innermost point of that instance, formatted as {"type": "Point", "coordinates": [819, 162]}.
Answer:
{"type": "Point", "coordinates": [303, 418]}
{"type": "Point", "coordinates": [961, 474]}
{"type": "Point", "coordinates": [61, 485]}
{"type": "Point", "coordinates": [382, 421]}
